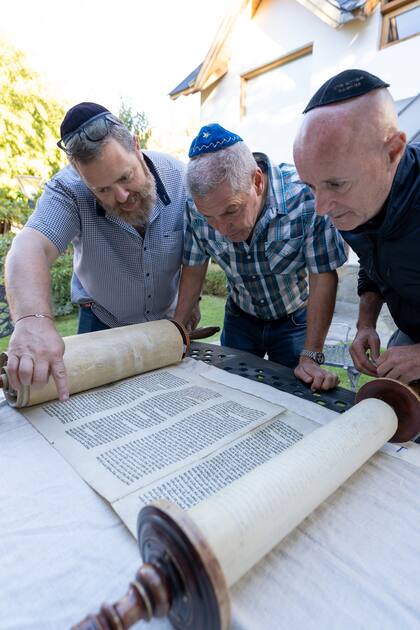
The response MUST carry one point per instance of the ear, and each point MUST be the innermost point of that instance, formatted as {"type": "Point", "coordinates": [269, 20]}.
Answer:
{"type": "Point", "coordinates": [259, 181]}
{"type": "Point", "coordinates": [139, 153]}
{"type": "Point", "coordinates": [137, 148]}
{"type": "Point", "coordinates": [395, 146]}
{"type": "Point", "coordinates": [75, 165]}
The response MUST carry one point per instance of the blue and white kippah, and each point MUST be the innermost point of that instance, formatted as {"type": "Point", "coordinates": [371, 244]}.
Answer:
{"type": "Point", "coordinates": [212, 138]}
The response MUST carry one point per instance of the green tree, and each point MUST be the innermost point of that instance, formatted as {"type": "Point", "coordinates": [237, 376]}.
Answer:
{"type": "Point", "coordinates": [136, 122]}
{"type": "Point", "coordinates": [29, 123]}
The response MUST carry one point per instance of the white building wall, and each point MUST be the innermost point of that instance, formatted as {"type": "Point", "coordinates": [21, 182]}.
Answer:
{"type": "Point", "coordinates": [280, 27]}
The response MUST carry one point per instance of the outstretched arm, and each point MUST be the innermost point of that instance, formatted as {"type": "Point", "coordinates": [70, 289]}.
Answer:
{"type": "Point", "coordinates": [35, 349]}
{"type": "Point", "coordinates": [191, 283]}
{"type": "Point", "coordinates": [321, 302]}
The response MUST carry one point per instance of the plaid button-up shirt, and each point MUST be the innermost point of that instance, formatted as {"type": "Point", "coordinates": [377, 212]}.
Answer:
{"type": "Point", "coordinates": [268, 277]}
{"type": "Point", "coordinates": [130, 279]}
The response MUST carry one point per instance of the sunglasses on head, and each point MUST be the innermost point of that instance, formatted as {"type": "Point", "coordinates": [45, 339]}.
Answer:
{"type": "Point", "coordinates": [103, 123]}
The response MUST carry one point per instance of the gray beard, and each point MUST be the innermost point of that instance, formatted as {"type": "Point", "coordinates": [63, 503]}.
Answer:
{"type": "Point", "coordinates": [147, 197]}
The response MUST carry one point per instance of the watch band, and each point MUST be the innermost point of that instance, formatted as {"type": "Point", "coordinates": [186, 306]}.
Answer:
{"type": "Point", "coordinates": [318, 357]}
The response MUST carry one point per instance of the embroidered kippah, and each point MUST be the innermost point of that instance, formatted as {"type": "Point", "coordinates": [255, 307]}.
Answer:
{"type": "Point", "coordinates": [80, 114]}
{"type": "Point", "coordinates": [212, 138]}
{"type": "Point", "coordinates": [347, 84]}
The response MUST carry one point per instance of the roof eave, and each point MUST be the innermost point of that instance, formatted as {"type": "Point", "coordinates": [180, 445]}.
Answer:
{"type": "Point", "coordinates": [174, 95]}
{"type": "Point", "coordinates": [207, 74]}
{"type": "Point", "coordinates": [333, 16]}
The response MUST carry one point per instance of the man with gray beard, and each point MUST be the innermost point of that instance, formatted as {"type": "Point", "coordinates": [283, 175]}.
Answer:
{"type": "Point", "coordinates": [122, 209]}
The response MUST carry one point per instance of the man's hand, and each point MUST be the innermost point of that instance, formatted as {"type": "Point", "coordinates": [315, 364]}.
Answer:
{"type": "Point", "coordinates": [36, 351]}
{"type": "Point", "coordinates": [187, 310]}
{"type": "Point", "coordinates": [401, 363]}
{"type": "Point", "coordinates": [194, 319]}
{"type": "Point", "coordinates": [312, 374]}
{"type": "Point", "coordinates": [365, 350]}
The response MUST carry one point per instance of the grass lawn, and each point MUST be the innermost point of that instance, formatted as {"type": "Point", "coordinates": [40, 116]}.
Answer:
{"type": "Point", "coordinates": [344, 381]}
{"type": "Point", "coordinates": [212, 313]}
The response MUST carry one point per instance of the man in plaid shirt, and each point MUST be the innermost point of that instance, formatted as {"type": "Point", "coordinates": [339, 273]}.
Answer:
{"type": "Point", "coordinates": [258, 222]}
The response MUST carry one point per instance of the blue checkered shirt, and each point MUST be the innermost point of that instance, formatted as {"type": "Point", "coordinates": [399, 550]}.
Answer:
{"type": "Point", "coordinates": [130, 279]}
{"type": "Point", "coordinates": [268, 277]}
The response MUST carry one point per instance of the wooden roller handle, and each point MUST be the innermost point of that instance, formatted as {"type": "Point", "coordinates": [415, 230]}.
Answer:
{"type": "Point", "coordinates": [203, 333]}
{"type": "Point", "coordinates": [148, 596]}
{"type": "Point", "coordinates": [181, 578]}
{"type": "Point", "coordinates": [402, 398]}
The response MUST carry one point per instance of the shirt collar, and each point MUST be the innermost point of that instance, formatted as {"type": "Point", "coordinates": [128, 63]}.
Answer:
{"type": "Point", "coordinates": [272, 200]}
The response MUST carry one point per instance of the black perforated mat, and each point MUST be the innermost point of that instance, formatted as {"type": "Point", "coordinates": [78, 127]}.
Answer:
{"type": "Point", "coordinates": [278, 376]}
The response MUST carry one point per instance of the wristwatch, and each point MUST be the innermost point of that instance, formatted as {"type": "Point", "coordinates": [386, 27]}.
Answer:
{"type": "Point", "coordinates": [318, 357]}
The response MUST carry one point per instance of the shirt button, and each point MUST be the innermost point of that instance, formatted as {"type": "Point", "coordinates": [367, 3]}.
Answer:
{"type": "Point", "coordinates": [254, 277]}
{"type": "Point", "coordinates": [144, 249]}
{"type": "Point", "coordinates": [147, 312]}
{"type": "Point", "coordinates": [147, 275]}
{"type": "Point", "coordinates": [149, 296]}
{"type": "Point", "coordinates": [262, 301]}
{"type": "Point", "coordinates": [249, 256]}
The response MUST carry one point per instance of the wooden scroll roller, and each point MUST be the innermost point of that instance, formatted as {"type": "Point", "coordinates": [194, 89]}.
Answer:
{"type": "Point", "coordinates": [404, 399]}
{"type": "Point", "coordinates": [191, 558]}
{"type": "Point", "coordinates": [106, 356]}
{"type": "Point", "coordinates": [203, 333]}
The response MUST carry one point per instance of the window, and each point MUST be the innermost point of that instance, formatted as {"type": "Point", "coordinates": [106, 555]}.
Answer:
{"type": "Point", "coordinates": [273, 97]}
{"type": "Point", "coordinates": [400, 20]}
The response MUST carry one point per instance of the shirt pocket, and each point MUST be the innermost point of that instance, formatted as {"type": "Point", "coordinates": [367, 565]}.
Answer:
{"type": "Point", "coordinates": [285, 257]}
{"type": "Point", "coordinates": [171, 254]}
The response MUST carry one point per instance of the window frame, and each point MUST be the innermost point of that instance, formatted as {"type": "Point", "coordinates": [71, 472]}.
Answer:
{"type": "Point", "coordinates": [267, 67]}
{"type": "Point", "coordinates": [391, 9]}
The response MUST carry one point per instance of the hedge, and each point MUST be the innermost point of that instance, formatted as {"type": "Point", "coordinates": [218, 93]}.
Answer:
{"type": "Point", "coordinates": [61, 273]}
{"type": "Point", "coordinates": [215, 281]}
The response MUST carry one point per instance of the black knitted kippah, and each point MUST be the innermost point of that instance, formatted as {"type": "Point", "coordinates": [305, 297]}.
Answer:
{"type": "Point", "coordinates": [347, 84]}
{"type": "Point", "coordinates": [78, 115]}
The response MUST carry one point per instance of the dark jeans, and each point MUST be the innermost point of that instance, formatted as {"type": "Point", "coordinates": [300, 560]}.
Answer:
{"type": "Point", "coordinates": [399, 338]}
{"type": "Point", "coordinates": [281, 339]}
{"type": "Point", "coordinates": [88, 322]}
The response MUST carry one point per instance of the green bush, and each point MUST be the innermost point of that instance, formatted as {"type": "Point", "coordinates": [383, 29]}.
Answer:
{"type": "Point", "coordinates": [61, 273]}
{"type": "Point", "coordinates": [215, 281]}
{"type": "Point", "coordinates": [5, 242]}
{"type": "Point", "coordinates": [14, 207]}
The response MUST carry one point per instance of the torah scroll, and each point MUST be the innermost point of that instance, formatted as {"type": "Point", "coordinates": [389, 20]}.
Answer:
{"type": "Point", "coordinates": [191, 558]}
{"type": "Point", "coordinates": [259, 510]}
{"type": "Point", "coordinates": [102, 357]}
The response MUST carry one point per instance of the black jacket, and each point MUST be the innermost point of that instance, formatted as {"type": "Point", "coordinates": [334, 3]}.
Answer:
{"type": "Point", "coordinates": [388, 247]}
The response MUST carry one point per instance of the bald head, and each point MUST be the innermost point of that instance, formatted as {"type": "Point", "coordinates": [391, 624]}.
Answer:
{"type": "Point", "coordinates": [348, 153]}
{"type": "Point", "coordinates": [368, 119]}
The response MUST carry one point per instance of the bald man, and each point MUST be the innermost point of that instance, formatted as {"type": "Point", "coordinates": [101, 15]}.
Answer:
{"type": "Point", "coordinates": [366, 178]}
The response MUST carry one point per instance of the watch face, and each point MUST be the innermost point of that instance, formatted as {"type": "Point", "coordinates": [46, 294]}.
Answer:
{"type": "Point", "coordinates": [320, 359]}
